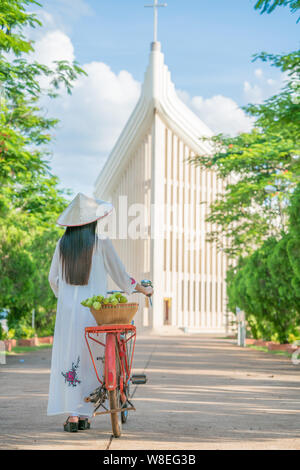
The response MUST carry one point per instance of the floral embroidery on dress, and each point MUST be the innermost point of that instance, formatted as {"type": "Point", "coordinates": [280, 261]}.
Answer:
{"type": "Point", "coordinates": [132, 280]}
{"type": "Point", "coordinates": [71, 375]}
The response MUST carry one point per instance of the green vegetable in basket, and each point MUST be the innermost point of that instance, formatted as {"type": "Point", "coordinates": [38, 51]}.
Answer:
{"type": "Point", "coordinates": [97, 305]}
{"type": "Point", "coordinates": [97, 300]}
{"type": "Point", "coordinates": [117, 295]}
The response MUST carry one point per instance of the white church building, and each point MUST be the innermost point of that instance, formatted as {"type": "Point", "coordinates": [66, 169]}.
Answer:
{"type": "Point", "coordinates": [147, 168]}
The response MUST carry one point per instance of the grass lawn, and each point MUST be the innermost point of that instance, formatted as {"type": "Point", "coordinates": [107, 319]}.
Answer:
{"type": "Point", "coordinates": [265, 349]}
{"type": "Point", "coordinates": [26, 349]}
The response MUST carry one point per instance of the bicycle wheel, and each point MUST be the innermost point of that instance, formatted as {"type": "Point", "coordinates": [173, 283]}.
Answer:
{"type": "Point", "coordinates": [116, 422]}
{"type": "Point", "coordinates": [124, 414]}
{"type": "Point", "coordinates": [114, 400]}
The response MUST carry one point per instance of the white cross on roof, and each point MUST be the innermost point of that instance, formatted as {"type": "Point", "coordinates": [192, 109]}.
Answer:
{"type": "Point", "coordinates": [155, 6]}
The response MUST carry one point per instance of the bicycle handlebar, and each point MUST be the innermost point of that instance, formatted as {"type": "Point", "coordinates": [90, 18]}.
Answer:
{"type": "Point", "coordinates": [144, 283]}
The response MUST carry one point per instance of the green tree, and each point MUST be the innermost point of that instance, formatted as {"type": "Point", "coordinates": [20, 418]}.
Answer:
{"type": "Point", "coordinates": [261, 286]}
{"type": "Point", "coordinates": [293, 246]}
{"type": "Point", "coordinates": [30, 200]}
{"type": "Point", "coordinates": [261, 168]}
{"type": "Point", "coordinates": [267, 6]}
{"type": "Point", "coordinates": [258, 213]}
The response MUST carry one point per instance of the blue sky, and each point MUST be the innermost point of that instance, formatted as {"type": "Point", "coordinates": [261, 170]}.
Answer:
{"type": "Point", "coordinates": [207, 46]}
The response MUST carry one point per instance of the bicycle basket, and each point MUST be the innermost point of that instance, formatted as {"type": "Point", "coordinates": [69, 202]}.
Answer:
{"type": "Point", "coordinates": [115, 314]}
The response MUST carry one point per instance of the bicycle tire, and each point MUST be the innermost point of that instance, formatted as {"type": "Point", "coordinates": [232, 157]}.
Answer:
{"type": "Point", "coordinates": [115, 417]}
{"type": "Point", "coordinates": [124, 414]}
{"type": "Point", "coordinates": [114, 400]}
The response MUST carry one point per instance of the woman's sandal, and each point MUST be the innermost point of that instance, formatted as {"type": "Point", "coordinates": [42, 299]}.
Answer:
{"type": "Point", "coordinates": [83, 424]}
{"type": "Point", "coordinates": [70, 426]}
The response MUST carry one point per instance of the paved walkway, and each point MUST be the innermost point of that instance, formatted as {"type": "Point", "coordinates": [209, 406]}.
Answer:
{"type": "Point", "coordinates": [202, 393]}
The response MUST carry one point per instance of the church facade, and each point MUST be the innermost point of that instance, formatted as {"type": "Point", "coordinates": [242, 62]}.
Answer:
{"type": "Point", "coordinates": [147, 177]}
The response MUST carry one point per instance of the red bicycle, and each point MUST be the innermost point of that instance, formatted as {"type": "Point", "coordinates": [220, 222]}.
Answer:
{"type": "Point", "coordinates": [118, 351]}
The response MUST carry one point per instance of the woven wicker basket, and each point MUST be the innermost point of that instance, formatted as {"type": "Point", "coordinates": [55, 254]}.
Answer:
{"type": "Point", "coordinates": [115, 314]}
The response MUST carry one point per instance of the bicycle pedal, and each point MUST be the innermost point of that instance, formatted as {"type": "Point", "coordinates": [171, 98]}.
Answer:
{"type": "Point", "coordinates": [139, 379]}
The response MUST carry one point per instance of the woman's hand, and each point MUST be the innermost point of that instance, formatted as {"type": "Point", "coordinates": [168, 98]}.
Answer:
{"type": "Point", "coordinates": [148, 291]}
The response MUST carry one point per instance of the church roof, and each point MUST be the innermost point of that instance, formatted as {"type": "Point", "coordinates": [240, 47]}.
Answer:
{"type": "Point", "coordinates": [158, 95]}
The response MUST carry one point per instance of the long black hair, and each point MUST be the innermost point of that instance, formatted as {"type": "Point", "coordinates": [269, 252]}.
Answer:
{"type": "Point", "coordinates": [76, 250]}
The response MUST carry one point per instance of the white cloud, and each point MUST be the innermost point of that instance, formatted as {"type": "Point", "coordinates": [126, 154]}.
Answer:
{"type": "Point", "coordinates": [254, 93]}
{"type": "Point", "coordinates": [74, 9]}
{"type": "Point", "coordinates": [46, 18]}
{"type": "Point", "coordinates": [54, 45]}
{"type": "Point", "coordinates": [92, 119]}
{"type": "Point", "coordinates": [60, 14]}
{"type": "Point", "coordinates": [220, 113]}
{"type": "Point", "coordinates": [98, 108]}
{"type": "Point", "coordinates": [258, 73]}
{"type": "Point", "coordinates": [258, 92]}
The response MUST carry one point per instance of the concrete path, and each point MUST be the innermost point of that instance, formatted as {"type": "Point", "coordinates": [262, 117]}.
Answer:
{"type": "Point", "coordinates": [202, 393]}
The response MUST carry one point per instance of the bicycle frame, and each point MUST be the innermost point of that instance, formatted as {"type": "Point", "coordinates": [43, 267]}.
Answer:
{"type": "Point", "coordinates": [114, 337]}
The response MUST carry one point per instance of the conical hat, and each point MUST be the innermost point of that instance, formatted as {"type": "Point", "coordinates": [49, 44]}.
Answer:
{"type": "Point", "coordinates": [84, 210]}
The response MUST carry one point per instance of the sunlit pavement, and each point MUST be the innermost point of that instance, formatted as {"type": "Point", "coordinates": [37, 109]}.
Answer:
{"type": "Point", "coordinates": [202, 393]}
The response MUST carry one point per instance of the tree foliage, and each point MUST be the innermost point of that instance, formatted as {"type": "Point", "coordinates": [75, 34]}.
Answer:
{"type": "Point", "coordinates": [268, 6]}
{"type": "Point", "coordinates": [293, 246]}
{"type": "Point", "coordinates": [30, 200]}
{"type": "Point", "coordinates": [261, 168]}
{"type": "Point", "coordinates": [257, 216]}
{"type": "Point", "coordinates": [259, 212]}
{"type": "Point", "coordinates": [260, 285]}
{"type": "Point", "coordinates": [266, 284]}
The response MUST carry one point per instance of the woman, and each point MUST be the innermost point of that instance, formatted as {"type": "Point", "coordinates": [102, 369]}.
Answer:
{"type": "Point", "coordinates": [79, 270]}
